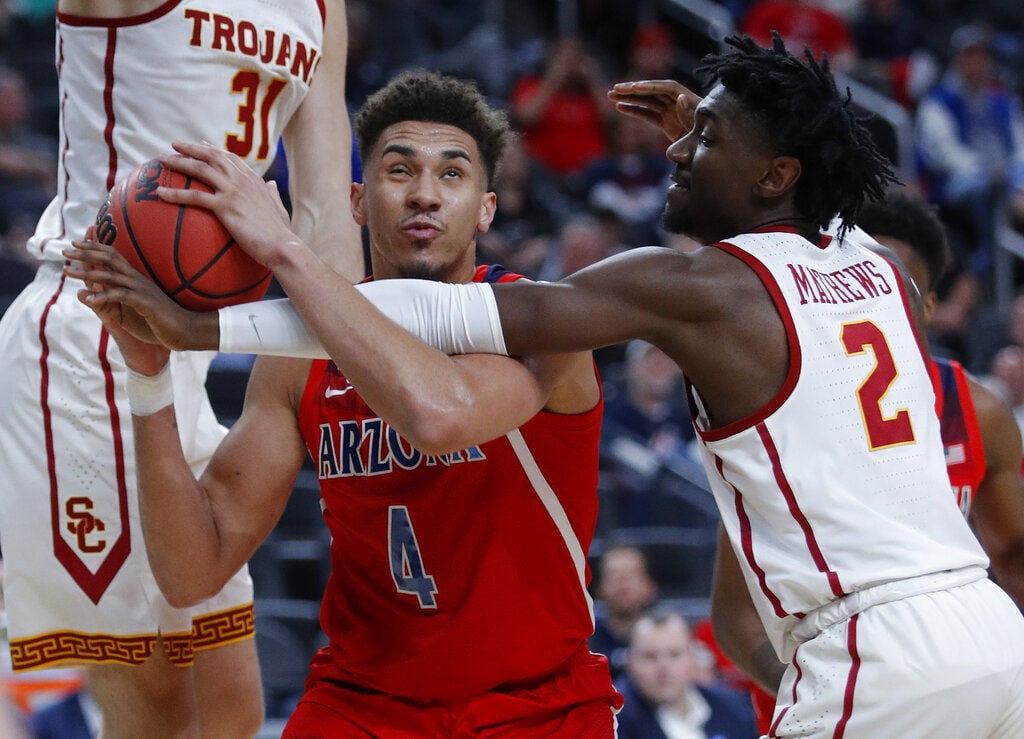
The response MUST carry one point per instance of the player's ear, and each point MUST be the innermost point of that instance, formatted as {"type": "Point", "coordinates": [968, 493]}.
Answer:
{"type": "Point", "coordinates": [779, 176]}
{"type": "Point", "coordinates": [356, 202]}
{"type": "Point", "coordinates": [488, 206]}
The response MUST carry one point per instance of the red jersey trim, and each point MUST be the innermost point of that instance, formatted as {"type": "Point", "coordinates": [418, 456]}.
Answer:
{"type": "Point", "coordinates": [851, 677]}
{"type": "Point", "coordinates": [747, 544]}
{"type": "Point", "coordinates": [795, 353]}
{"type": "Point", "coordinates": [794, 510]}
{"type": "Point", "coordinates": [128, 20]}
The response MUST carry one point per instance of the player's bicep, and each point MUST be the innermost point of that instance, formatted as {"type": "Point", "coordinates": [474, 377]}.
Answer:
{"type": "Point", "coordinates": [612, 301]}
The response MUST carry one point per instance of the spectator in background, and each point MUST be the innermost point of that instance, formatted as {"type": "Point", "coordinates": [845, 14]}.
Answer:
{"type": "Point", "coordinates": [802, 23]}
{"type": "Point", "coordinates": [631, 179]}
{"type": "Point", "coordinates": [1008, 374]}
{"type": "Point", "coordinates": [648, 404]}
{"type": "Point", "coordinates": [563, 112]}
{"type": "Point", "coordinates": [970, 138]}
{"type": "Point", "coordinates": [584, 238]}
{"type": "Point", "coordinates": [664, 700]}
{"type": "Point", "coordinates": [75, 716]}
{"type": "Point", "coordinates": [531, 210]}
{"type": "Point", "coordinates": [890, 50]}
{"type": "Point", "coordinates": [626, 590]}
{"type": "Point", "coordinates": [28, 161]}
{"type": "Point", "coordinates": [651, 53]}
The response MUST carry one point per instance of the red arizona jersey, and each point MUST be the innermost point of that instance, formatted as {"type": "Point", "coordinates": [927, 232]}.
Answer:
{"type": "Point", "coordinates": [456, 573]}
{"type": "Point", "coordinates": [958, 425]}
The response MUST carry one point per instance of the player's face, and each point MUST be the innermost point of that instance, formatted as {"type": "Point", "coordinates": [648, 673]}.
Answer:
{"type": "Point", "coordinates": [916, 267]}
{"type": "Point", "coordinates": [424, 199]}
{"type": "Point", "coordinates": [717, 165]}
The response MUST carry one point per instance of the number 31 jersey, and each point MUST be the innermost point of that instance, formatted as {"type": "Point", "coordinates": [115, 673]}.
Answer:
{"type": "Point", "coordinates": [839, 483]}
{"type": "Point", "coordinates": [239, 67]}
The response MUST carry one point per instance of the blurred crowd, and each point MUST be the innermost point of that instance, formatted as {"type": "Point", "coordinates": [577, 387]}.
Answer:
{"type": "Point", "coordinates": [582, 183]}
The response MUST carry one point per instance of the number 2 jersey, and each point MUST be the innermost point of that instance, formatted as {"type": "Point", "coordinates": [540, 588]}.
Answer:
{"type": "Point", "coordinates": [237, 69]}
{"type": "Point", "coordinates": [456, 573]}
{"type": "Point", "coordinates": [839, 483]}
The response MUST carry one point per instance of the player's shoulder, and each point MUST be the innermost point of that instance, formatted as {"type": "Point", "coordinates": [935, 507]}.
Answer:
{"type": "Point", "coordinates": [108, 8]}
{"type": "Point", "coordinates": [994, 414]}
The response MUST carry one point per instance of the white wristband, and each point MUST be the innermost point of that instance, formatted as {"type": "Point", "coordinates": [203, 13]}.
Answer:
{"type": "Point", "coordinates": [148, 394]}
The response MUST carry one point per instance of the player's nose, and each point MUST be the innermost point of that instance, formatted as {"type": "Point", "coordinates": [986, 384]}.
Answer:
{"type": "Point", "coordinates": [424, 193]}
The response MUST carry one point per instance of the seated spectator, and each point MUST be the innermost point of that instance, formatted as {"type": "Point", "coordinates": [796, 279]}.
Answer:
{"type": "Point", "coordinates": [532, 208]}
{"type": "Point", "coordinates": [663, 700]}
{"type": "Point", "coordinates": [970, 138]}
{"type": "Point", "coordinates": [626, 590]}
{"type": "Point", "coordinates": [631, 179]}
{"type": "Point", "coordinates": [75, 716]}
{"type": "Point", "coordinates": [28, 161]}
{"type": "Point", "coordinates": [891, 54]}
{"type": "Point", "coordinates": [581, 240]}
{"type": "Point", "coordinates": [563, 112]}
{"type": "Point", "coordinates": [802, 24]}
{"type": "Point", "coordinates": [651, 54]}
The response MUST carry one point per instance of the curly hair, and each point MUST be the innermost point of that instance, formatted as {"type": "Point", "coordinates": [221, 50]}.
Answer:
{"type": "Point", "coordinates": [906, 216]}
{"type": "Point", "coordinates": [801, 114]}
{"type": "Point", "coordinates": [427, 96]}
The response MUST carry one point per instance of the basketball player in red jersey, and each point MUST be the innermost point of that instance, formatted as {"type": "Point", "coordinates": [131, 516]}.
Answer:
{"type": "Point", "coordinates": [806, 374]}
{"type": "Point", "coordinates": [135, 74]}
{"type": "Point", "coordinates": [457, 604]}
{"type": "Point", "coordinates": [980, 435]}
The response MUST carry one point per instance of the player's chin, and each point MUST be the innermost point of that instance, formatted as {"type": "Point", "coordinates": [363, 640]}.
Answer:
{"type": "Point", "coordinates": [677, 218]}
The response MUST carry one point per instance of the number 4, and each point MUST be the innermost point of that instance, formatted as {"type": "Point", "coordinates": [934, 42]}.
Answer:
{"type": "Point", "coordinates": [406, 563]}
{"type": "Point", "coordinates": [882, 432]}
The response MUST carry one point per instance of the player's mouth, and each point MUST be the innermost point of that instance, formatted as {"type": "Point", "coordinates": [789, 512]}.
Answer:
{"type": "Point", "coordinates": [422, 228]}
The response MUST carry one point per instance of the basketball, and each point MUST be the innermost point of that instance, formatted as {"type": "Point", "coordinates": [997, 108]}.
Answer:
{"type": "Point", "coordinates": [183, 249]}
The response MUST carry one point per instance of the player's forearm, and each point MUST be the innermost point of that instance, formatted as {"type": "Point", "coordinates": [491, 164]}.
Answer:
{"type": "Point", "coordinates": [177, 521]}
{"type": "Point", "coordinates": [432, 399]}
{"type": "Point", "coordinates": [1008, 571]}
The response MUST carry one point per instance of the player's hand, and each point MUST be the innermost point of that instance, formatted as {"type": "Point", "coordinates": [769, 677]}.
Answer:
{"type": "Point", "coordinates": [667, 104]}
{"type": "Point", "coordinates": [132, 306]}
{"type": "Point", "coordinates": [249, 207]}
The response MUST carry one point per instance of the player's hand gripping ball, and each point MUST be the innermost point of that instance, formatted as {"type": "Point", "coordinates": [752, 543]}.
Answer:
{"type": "Point", "coordinates": [184, 249]}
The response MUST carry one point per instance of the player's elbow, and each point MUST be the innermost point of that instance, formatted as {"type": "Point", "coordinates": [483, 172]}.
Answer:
{"type": "Point", "coordinates": [436, 429]}
{"type": "Point", "coordinates": [436, 435]}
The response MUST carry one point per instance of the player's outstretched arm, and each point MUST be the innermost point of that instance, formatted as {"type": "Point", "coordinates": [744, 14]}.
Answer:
{"type": "Point", "coordinates": [997, 513]}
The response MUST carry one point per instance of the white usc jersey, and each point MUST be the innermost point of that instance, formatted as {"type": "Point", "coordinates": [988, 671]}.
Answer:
{"type": "Point", "coordinates": [239, 67]}
{"type": "Point", "coordinates": [839, 484]}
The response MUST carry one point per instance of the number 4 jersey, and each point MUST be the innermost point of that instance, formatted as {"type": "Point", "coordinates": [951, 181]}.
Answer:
{"type": "Point", "coordinates": [239, 68]}
{"type": "Point", "coordinates": [839, 483]}
{"type": "Point", "coordinates": [452, 574]}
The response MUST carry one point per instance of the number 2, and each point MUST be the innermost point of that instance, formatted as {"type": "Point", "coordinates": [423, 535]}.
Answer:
{"type": "Point", "coordinates": [248, 84]}
{"type": "Point", "coordinates": [406, 563]}
{"type": "Point", "coordinates": [882, 431]}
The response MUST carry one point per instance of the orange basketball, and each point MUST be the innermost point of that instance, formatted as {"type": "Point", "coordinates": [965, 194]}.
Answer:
{"type": "Point", "coordinates": [184, 249]}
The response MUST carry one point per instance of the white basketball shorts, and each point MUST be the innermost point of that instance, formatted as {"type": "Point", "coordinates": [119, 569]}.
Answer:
{"type": "Point", "coordinates": [77, 583]}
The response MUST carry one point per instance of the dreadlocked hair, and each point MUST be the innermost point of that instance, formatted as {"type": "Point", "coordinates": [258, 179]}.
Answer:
{"type": "Point", "coordinates": [801, 114]}
{"type": "Point", "coordinates": [430, 97]}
